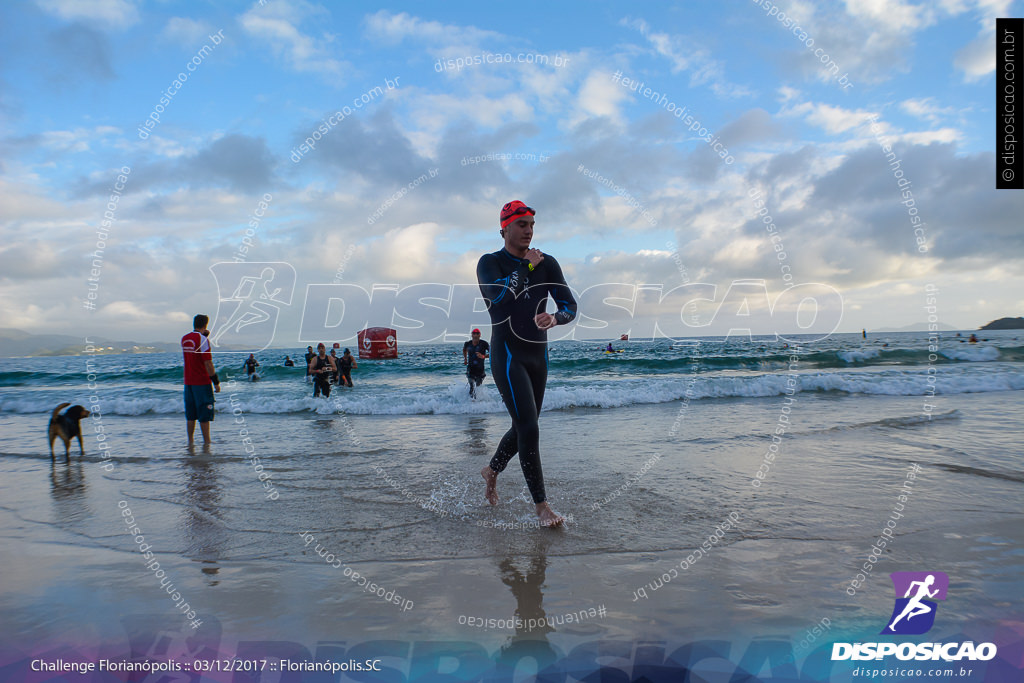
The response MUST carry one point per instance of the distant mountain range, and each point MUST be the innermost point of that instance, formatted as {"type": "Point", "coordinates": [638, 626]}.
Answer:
{"type": "Point", "coordinates": [15, 342]}
{"type": "Point", "coordinates": [916, 327]}
{"type": "Point", "coordinates": [20, 343]}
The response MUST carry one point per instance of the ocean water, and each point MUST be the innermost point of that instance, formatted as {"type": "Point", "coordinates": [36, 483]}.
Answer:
{"type": "Point", "coordinates": [429, 379]}
{"type": "Point", "coordinates": [647, 452]}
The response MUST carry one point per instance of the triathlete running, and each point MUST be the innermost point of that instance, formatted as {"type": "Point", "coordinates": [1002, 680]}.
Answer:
{"type": "Point", "coordinates": [474, 353]}
{"type": "Point", "coordinates": [516, 282]}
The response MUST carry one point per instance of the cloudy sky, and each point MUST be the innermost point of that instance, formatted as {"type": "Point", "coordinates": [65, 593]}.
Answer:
{"type": "Point", "coordinates": [647, 137]}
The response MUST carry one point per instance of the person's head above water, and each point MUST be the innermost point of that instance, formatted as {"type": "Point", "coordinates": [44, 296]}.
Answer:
{"type": "Point", "coordinates": [517, 226]}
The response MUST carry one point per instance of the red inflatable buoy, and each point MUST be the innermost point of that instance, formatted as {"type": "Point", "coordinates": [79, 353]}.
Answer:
{"type": "Point", "coordinates": [377, 343]}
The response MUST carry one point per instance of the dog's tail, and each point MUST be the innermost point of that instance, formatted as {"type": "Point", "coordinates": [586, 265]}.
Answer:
{"type": "Point", "coordinates": [59, 408]}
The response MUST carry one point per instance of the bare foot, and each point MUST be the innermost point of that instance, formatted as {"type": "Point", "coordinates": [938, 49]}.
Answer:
{"type": "Point", "coordinates": [548, 517]}
{"type": "Point", "coordinates": [491, 477]}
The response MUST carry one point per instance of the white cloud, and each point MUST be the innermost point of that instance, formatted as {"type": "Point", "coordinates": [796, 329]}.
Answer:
{"type": "Point", "coordinates": [77, 140]}
{"type": "Point", "coordinates": [926, 109]}
{"type": "Point", "coordinates": [741, 252]}
{"type": "Point", "coordinates": [160, 146]}
{"type": "Point", "coordinates": [277, 22]}
{"type": "Point", "coordinates": [120, 310]}
{"type": "Point", "coordinates": [830, 118]}
{"type": "Point", "coordinates": [703, 69]}
{"type": "Point", "coordinates": [893, 15]}
{"type": "Point", "coordinates": [118, 14]}
{"type": "Point", "coordinates": [861, 38]}
{"type": "Point", "coordinates": [404, 254]}
{"type": "Point", "coordinates": [977, 58]}
{"type": "Point", "coordinates": [29, 203]}
{"type": "Point", "coordinates": [186, 31]}
{"type": "Point", "coordinates": [599, 96]}
{"type": "Point", "coordinates": [440, 38]}
{"type": "Point", "coordinates": [436, 112]}
{"type": "Point", "coordinates": [787, 93]}
{"type": "Point", "coordinates": [927, 137]}
{"type": "Point", "coordinates": [29, 260]}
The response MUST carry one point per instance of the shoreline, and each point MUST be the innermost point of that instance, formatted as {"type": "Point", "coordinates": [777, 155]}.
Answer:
{"type": "Point", "coordinates": [74, 577]}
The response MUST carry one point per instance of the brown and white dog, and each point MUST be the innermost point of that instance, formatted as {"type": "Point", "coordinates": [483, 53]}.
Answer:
{"type": "Point", "coordinates": [66, 427]}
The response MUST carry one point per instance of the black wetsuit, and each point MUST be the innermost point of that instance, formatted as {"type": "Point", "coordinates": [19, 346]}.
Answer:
{"type": "Point", "coordinates": [475, 368]}
{"type": "Point", "coordinates": [519, 350]}
{"type": "Point", "coordinates": [309, 356]}
{"type": "Point", "coordinates": [322, 380]}
{"type": "Point", "coordinates": [345, 371]}
{"type": "Point", "coordinates": [250, 365]}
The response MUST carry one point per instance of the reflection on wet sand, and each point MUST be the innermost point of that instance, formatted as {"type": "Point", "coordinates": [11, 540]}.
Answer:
{"type": "Point", "coordinates": [531, 636]}
{"type": "Point", "coordinates": [68, 490]}
{"type": "Point", "coordinates": [202, 524]}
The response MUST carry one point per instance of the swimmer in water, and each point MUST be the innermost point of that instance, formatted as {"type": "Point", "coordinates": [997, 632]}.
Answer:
{"type": "Point", "coordinates": [345, 365]}
{"type": "Point", "coordinates": [516, 282]}
{"type": "Point", "coordinates": [250, 366]}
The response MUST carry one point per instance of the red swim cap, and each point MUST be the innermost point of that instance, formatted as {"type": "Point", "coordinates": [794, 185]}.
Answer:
{"type": "Point", "coordinates": [476, 331]}
{"type": "Point", "coordinates": [510, 211]}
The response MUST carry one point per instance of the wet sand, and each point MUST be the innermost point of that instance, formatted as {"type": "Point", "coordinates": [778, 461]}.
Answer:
{"type": "Point", "coordinates": [405, 509]}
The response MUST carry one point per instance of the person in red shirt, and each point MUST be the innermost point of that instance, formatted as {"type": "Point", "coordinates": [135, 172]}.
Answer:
{"type": "Point", "coordinates": [201, 379]}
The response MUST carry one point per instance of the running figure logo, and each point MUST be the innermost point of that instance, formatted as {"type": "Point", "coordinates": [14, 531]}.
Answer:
{"type": "Point", "coordinates": [914, 612]}
{"type": "Point", "coordinates": [248, 316]}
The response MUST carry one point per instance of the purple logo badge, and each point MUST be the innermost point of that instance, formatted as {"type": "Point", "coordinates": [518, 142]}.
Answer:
{"type": "Point", "coordinates": [916, 592]}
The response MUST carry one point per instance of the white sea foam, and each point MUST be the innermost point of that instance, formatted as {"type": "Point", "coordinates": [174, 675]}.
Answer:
{"type": "Point", "coordinates": [597, 393]}
{"type": "Point", "coordinates": [972, 353]}
{"type": "Point", "coordinates": [859, 355]}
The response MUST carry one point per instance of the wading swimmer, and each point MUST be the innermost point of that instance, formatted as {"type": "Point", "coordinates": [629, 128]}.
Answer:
{"type": "Point", "coordinates": [474, 353]}
{"type": "Point", "coordinates": [345, 365]}
{"type": "Point", "coordinates": [516, 282]}
{"type": "Point", "coordinates": [321, 367]}
{"type": "Point", "coordinates": [310, 355]}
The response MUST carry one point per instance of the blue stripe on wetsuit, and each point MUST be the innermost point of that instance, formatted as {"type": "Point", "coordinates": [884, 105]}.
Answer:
{"type": "Point", "coordinates": [504, 288]}
{"type": "Point", "coordinates": [508, 368]}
